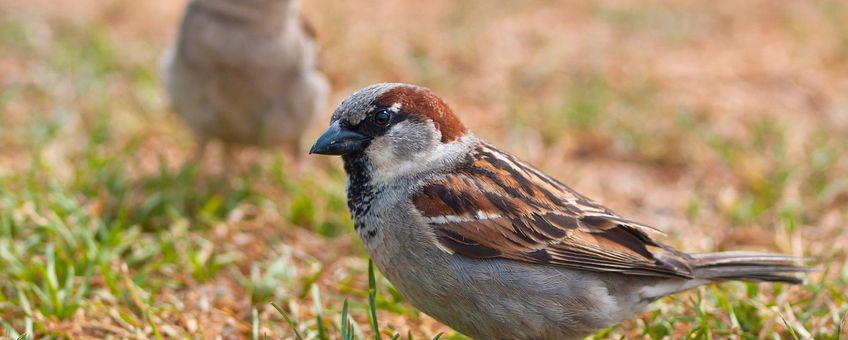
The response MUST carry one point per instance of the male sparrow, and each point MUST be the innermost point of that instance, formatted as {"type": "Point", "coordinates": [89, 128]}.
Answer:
{"type": "Point", "coordinates": [490, 245]}
{"type": "Point", "coordinates": [245, 72]}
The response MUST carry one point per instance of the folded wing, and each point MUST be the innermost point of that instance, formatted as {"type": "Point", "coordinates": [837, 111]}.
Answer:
{"type": "Point", "coordinates": [495, 206]}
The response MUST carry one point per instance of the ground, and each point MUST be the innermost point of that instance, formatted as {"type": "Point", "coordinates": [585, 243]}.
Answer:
{"type": "Point", "coordinates": [723, 123]}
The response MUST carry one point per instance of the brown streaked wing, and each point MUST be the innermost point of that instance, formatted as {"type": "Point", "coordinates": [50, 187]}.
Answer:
{"type": "Point", "coordinates": [494, 206]}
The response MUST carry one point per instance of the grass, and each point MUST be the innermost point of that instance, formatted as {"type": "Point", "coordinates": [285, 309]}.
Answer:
{"type": "Point", "coordinates": [725, 129]}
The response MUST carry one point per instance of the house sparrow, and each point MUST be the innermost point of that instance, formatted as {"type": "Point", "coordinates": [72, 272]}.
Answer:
{"type": "Point", "coordinates": [490, 245]}
{"type": "Point", "coordinates": [245, 72]}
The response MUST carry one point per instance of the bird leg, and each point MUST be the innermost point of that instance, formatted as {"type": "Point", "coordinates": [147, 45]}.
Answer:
{"type": "Point", "coordinates": [199, 151]}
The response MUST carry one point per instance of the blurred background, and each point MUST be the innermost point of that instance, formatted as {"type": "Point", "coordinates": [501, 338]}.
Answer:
{"type": "Point", "coordinates": [725, 124]}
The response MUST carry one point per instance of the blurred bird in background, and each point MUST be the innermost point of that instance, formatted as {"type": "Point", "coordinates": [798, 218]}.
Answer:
{"type": "Point", "coordinates": [245, 72]}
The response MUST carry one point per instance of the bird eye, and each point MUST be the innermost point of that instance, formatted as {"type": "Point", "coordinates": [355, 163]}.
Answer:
{"type": "Point", "coordinates": [382, 118]}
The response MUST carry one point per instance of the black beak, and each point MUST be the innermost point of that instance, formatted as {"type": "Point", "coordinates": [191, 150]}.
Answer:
{"type": "Point", "coordinates": [338, 141]}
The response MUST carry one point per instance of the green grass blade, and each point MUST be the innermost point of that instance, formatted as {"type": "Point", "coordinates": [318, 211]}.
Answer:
{"type": "Point", "coordinates": [789, 327]}
{"type": "Point", "coordinates": [372, 300]}
{"type": "Point", "coordinates": [150, 322]}
{"type": "Point", "coordinates": [11, 332]}
{"type": "Point", "coordinates": [316, 298]}
{"type": "Point", "coordinates": [254, 329]}
{"type": "Point", "coordinates": [288, 320]}
{"type": "Point", "coordinates": [345, 323]}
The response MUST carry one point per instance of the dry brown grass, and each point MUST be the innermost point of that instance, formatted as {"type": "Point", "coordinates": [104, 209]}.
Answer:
{"type": "Point", "coordinates": [723, 123]}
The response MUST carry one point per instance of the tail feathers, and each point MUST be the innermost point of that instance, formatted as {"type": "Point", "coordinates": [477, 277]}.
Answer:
{"type": "Point", "coordinates": [749, 266]}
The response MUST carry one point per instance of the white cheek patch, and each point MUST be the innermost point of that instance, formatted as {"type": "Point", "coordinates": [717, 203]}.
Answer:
{"type": "Point", "coordinates": [409, 148]}
{"type": "Point", "coordinates": [403, 143]}
{"type": "Point", "coordinates": [380, 153]}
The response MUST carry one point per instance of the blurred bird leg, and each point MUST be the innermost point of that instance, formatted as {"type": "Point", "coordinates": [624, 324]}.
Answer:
{"type": "Point", "coordinates": [199, 151]}
{"type": "Point", "coordinates": [229, 160]}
